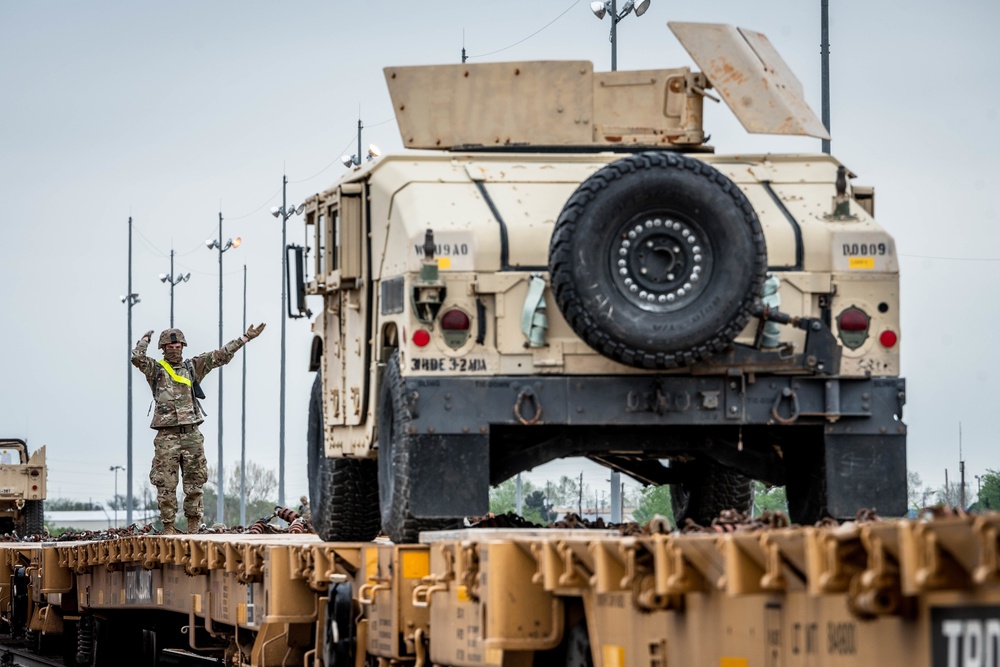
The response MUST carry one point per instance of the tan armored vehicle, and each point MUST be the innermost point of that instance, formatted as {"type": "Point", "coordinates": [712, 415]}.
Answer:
{"type": "Point", "coordinates": [22, 488]}
{"type": "Point", "coordinates": [563, 267]}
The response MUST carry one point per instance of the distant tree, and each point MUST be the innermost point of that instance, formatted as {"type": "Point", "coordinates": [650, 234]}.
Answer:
{"type": "Point", "coordinates": [769, 499]}
{"type": "Point", "coordinates": [951, 494]}
{"type": "Point", "coordinates": [915, 492]}
{"type": "Point", "coordinates": [653, 500]}
{"type": "Point", "coordinates": [67, 505]}
{"type": "Point", "coordinates": [261, 483]}
{"type": "Point", "coordinates": [503, 497]}
{"type": "Point", "coordinates": [536, 509]}
{"type": "Point", "coordinates": [989, 491]}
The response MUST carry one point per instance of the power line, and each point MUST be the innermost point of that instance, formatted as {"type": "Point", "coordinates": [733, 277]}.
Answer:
{"type": "Point", "coordinates": [341, 152]}
{"type": "Point", "coordinates": [483, 55]}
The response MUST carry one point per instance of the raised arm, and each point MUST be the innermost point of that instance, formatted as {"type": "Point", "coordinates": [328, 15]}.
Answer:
{"type": "Point", "coordinates": [205, 362]}
{"type": "Point", "coordinates": [140, 360]}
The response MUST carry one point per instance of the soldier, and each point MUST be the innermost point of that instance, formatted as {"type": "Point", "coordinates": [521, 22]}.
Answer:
{"type": "Point", "coordinates": [178, 443]}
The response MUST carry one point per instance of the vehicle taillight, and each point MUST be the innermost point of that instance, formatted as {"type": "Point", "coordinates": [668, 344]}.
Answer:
{"type": "Point", "coordinates": [455, 320]}
{"type": "Point", "coordinates": [455, 324]}
{"type": "Point", "coordinates": [888, 338]}
{"type": "Point", "coordinates": [35, 473]}
{"type": "Point", "coordinates": [421, 338]}
{"type": "Point", "coordinates": [853, 325]}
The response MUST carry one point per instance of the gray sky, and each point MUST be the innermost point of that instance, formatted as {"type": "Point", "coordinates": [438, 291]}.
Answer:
{"type": "Point", "coordinates": [169, 111]}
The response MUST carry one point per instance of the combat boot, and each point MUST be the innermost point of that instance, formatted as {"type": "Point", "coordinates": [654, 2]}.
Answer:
{"type": "Point", "coordinates": [194, 522]}
{"type": "Point", "coordinates": [168, 528]}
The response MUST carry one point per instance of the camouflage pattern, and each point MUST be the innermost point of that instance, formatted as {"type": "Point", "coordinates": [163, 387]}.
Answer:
{"type": "Point", "coordinates": [174, 402]}
{"type": "Point", "coordinates": [179, 445]}
{"type": "Point", "coordinates": [179, 448]}
{"type": "Point", "coordinates": [171, 336]}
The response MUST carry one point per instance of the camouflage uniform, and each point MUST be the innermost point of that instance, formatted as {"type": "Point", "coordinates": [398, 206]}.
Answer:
{"type": "Point", "coordinates": [178, 444]}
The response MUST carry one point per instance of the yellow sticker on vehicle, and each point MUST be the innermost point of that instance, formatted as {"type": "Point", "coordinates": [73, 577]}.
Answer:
{"type": "Point", "coordinates": [861, 263]}
{"type": "Point", "coordinates": [462, 593]}
{"type": "Point", "coordinates": [613, 656]}
{"type": "Point", "coordinates": [733, 662]}
{"type": "Point", "coordinates": [416, 564]}
{"type": "Point", "coordinates": [444, 263]}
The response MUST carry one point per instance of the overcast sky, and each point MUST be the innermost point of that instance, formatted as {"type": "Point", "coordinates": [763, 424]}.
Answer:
{"type": "Point", "coordinates": [169, 112]}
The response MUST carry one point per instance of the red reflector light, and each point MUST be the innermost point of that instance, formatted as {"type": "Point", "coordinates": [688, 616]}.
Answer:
{"type": "Point", "coordinates": [888, 338]}
{"type": "Point", "coordinates": [34, 488]}
{"type": "Point", "coordinates": [853, 319]}
{"type": "Point", "coordinates": [421, 338]}
{"type": "Point", "coordinates": [455, 320]}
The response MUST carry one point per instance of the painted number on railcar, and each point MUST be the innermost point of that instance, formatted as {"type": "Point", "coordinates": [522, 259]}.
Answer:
{"type": "Point", "coordinates": [966, 636]}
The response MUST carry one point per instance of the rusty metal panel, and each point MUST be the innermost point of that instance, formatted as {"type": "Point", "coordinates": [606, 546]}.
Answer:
{"type": "Point", "coordinates": [752, 78]}
{"type": "Point", "coordinates": [493, 104]}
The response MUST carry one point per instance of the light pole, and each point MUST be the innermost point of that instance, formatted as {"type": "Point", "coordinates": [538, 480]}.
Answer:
{"type": "Point", "coordinates": [213, 244]}
{"type": "Point", "coordinates": [115, 470]}
{"type": "Point", "coordinates": [130, 299]}
{"type": "Point", "coordinates": [243, 416]}
{"type": "Point", "coordinates": [601, 8]}
{"type": "Point", "coordinates": [284, 212]}
{"type": "Point", "coordinates": [173, 280]}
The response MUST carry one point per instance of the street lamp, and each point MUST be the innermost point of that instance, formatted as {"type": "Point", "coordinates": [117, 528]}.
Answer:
{"type": "Point", "coordinates": [355, 160]}
{"type": "Point", "coordinates": [284, 212]}
{"type": "Point", "coordinates": [173, 280]}
{"type": "Point", "coordinates": [130, 299]}
{"type": "Point", "coordinates": [601, 8]}
{"type": "Point", "coordinates": [115, 470]}
{"type": "Point", "coordinates": [213, 244]}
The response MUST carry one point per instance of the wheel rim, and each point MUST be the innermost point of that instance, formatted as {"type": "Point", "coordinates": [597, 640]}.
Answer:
{"type": "Point", "coordinates": [660, 263]}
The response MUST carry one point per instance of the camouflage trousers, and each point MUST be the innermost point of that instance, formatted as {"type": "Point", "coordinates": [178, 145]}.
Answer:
{"type": "Point", "coordinates": [184, 451]}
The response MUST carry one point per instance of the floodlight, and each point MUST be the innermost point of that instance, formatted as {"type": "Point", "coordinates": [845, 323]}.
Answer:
{"type": "Point", "coordinates": [122, 298]}
{"type": "Point", "coordinates": [629, 4]}
{"type": "Point", "coordinates": [348, 160]}
{"type": "Point", "coordinates": [301, 208]}
{"type": "Point", "coordinates": [236, 242]}
{"type": "Point", "coordinates": [210, 243]}
{"type": "Point", "coordinates": [275, 211]}
{"type": "Point", "coordinates": [187, 277]}
{"type": "Point", "coordinates": [641, 8]}
{"type": "Point", "coordinates": [599, 8]}
{"type": "Point", "coordinates": [163, 277]}
{"type": "Point", "coordinates": [373, 151]}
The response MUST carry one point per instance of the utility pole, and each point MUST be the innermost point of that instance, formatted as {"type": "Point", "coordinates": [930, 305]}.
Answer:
{"type": "Point", "coordinates": [243, 417]}
{"type": "Point", "coordinates": [519, 498]}
{"type": "Point", "coordinates": [219, 504]}
{"type": "Point", "coordinates": [579, 507]}
{"type": "Point", "coordinates": [961, 469]}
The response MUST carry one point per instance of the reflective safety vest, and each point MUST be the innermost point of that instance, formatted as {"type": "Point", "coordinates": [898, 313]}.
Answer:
{"type": "Point", "coordinates": [173, 376]}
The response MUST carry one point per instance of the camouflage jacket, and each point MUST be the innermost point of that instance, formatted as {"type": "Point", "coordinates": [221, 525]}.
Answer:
{"type": "Point", "coordinates": [174, 401]}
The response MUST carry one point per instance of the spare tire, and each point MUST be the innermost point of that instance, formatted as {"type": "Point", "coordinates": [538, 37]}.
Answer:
{"type": "Point", "coordinates": [656, 260]}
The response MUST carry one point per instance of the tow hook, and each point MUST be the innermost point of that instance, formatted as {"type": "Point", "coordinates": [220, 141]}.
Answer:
{"type": "Point", "coordinates": [527, 395]}
{"type": "Point", "coordinates": [793, 399]}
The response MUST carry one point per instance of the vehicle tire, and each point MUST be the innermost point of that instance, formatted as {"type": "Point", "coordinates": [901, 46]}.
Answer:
{"type": "Point", "coordinates": [656, 260]}
{"type": "Point", "coordinates": [34, 517]}
{"type": "Point", "coordinates": [394, 445]}
{"type": "Point", "coordinates": [343, 493]}
{"type": "Point", "coordinates": [709, 489]}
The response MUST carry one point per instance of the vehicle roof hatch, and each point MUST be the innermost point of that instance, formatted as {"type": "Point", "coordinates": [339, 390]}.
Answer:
{"type": "Point", "coordinates": [751, 77]}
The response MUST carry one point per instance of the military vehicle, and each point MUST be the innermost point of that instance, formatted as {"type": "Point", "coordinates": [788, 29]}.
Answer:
{"type": "Point", "coordinates": [562, 266]}
{"type": "Point", "coordinates": [22, 488]}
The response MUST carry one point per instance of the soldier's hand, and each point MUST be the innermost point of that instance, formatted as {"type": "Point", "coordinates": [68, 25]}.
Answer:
{"type": "Point", "coordinates": [253, 332]}
{"type": "Point", "coordinates": [148, 336]}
